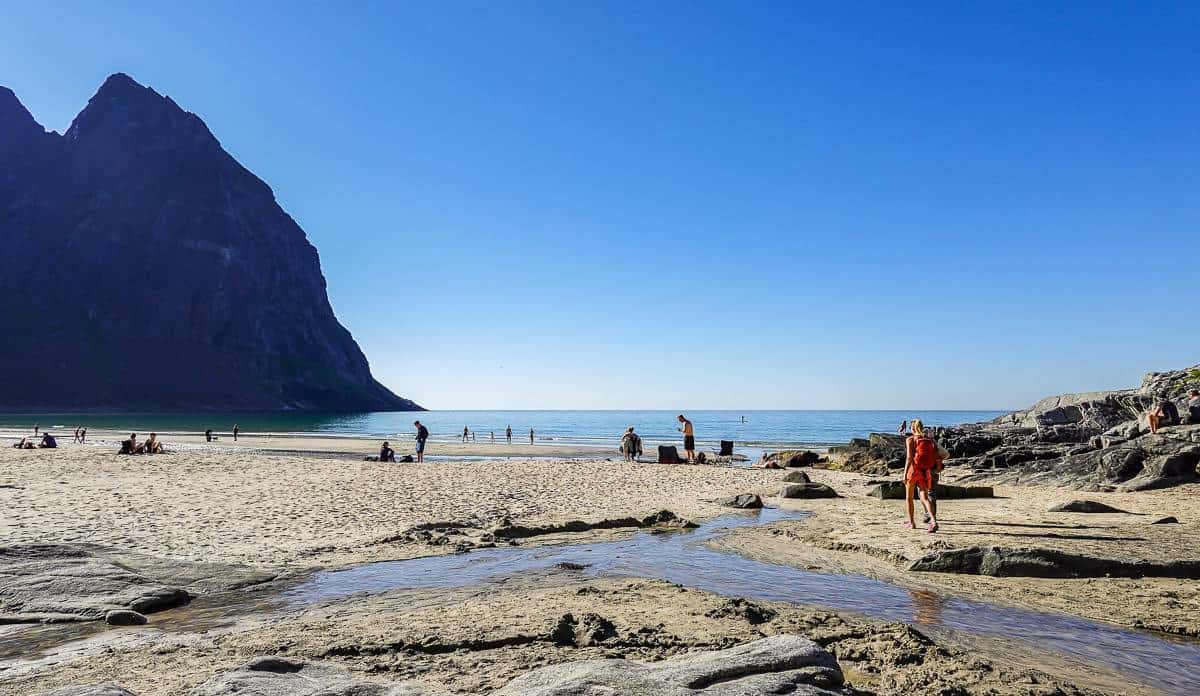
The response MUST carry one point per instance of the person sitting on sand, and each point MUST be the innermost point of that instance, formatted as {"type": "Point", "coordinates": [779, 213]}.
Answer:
{"type": "Point", "coordinates": [386, 453]}
{"type": "Point", "coordinates": [48, 441]}
{"type": "Point", "coordinates": [921, 460]}
{"type": "Point", "coordinates": [422, 436]}
{"type": "Point", "coordinates": [208, 435]}
{"type": "Point", "coordinates": [153, 445]}
{"type": "Point", "coordinates": [1163, 414]}
{"type": "Point", "coordinates": [131, 445]}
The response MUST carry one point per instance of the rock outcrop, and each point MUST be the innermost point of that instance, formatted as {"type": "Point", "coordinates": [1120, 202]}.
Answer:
{"type": "Point", "coordinates": [1096, 441]}
{"type": "Point", "coordinates": [277, 676]}
{"type": "Point", "coordinates": [77, 582]}
{"type": "Point", "coordinates": [145, 269]}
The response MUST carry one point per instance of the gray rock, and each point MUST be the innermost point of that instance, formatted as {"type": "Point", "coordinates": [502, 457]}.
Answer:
{"type": "Point", "coordinates": [806, 490]}
{"type": "Point", "coordinates": [89, 690]}
{"type": "Point", "coordinates": [1088, 506]}
{"type": "Point", "coordinates": [790, 458]}
{"type": "Point", "coordinates": [776, 665]}
{"type": "Point", "coordinates": [796, 477]}
{"type": "Point", "coordinates": [1047, 563]}
{"type": "Point", "coordinates": [277, 676]}
{"type": "Point", "coordinates": [745, 501]}
{"type": "Point", "coordinates": [894, 490]}
{"type": "Point", "coordinates": [80, 582]}
{"type": "Point", "coordinates": [125, 617]}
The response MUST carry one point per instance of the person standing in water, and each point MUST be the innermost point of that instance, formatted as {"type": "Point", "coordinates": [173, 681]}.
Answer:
{"type": "Point", "coordinates": [531, 435]}
{"type": "Point", "coordinates": [921, 461]}
{"type": "Point", "coordinates": [465, 433]}
{"type": "Point", "coordinates": [508, 434]}
{"type": "Point", "coordinates": [689, 439]}
{"type": "Point", "coordinates": [236, 429]}
{"type": "Point", "coordinates": [422, 436]}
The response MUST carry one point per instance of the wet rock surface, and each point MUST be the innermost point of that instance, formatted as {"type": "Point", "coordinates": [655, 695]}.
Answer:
{"type": "Point", "coordinates": [77, 582]}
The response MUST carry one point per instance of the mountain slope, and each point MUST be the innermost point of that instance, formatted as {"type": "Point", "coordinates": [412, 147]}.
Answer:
{"type": "Point", "coordinates": [144, 268]}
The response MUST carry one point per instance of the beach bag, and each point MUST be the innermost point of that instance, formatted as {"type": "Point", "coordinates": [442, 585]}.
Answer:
{"type": "Point", "coordinates": [925, 454]}
{"type": "Point", "coordinates": [667, 454]}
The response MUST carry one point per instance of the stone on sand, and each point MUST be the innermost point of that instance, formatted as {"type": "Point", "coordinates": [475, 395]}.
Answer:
{"type": "Point", "coordinates": [796, 477]}
{"type": "Point", "coordinates": [125, 617]}
{"type": "Point", "coordinates": [775, 665]}
{"type": "Point", "coordinates": [745, 501]}
{"type": "Point", "coordinates": [1086, 506]}
{"type": "Point", "coordinates": [806, 490]}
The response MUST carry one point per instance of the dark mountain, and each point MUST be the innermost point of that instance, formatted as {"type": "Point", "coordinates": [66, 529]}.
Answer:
{"type": "Point", "coordinates": [142, 267]}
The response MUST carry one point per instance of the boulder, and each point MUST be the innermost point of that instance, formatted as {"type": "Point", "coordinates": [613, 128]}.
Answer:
{"type": "Point", "coordinates": [796, 477]}
{"type": "Point", "coordinates": [1088, 506]}
{"type": "Point", "coordinates": [745, 501]}
{"type": "Point", "coordinates": [806, 490]}
{"type": "Point", "coordinates": [894, 490]}
{"type": "Point", "coordinates": [790, 459]}
{"type": "Point", "coordinates": [124, 617]}
{"type": "Point", "coordinates": [277, 676]}
{"type": "Point", "coordinates": [1047, 563]}
{"type": "Point", "coordinates": [775, 665]}
{"type": "Point", "coordinates": [1165, 520]}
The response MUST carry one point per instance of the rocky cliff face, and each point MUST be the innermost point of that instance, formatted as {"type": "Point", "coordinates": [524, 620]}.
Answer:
{"type": "Point", "coordinates": [142, 267]}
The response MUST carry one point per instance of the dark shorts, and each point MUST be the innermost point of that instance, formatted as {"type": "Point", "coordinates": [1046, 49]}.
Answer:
{"type": "Point", "coordinates": [420, 446]}
{"type": "Point", "coordinates": [689, 442]}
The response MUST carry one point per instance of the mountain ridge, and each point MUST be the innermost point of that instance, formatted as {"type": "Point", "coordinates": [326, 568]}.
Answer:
{"type": "Point", "coordinates": [146, 268]}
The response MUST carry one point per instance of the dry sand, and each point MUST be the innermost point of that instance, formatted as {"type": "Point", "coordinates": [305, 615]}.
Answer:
{"type": "Point", "coordinates": [237, 504]}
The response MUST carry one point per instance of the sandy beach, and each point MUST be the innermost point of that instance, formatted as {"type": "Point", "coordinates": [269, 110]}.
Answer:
{"type": "Point", "coordinates": [281, 507]}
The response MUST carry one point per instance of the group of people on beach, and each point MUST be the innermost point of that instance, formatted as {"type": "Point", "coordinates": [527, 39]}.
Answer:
{"type": "Point", "coordinates": [151, 446]}
{"type": "Point", "coordinates": [1165, 413]}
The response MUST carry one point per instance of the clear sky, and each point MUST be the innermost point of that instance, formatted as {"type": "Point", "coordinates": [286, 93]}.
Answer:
{"type": "Point", "coordinates": [725, 205]}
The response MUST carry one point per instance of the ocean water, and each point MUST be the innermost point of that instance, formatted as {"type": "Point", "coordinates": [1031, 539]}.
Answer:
{"type": "Point", "coordinates": [761, 429]}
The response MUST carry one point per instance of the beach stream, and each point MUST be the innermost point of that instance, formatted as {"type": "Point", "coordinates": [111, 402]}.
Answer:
{"type": "Point", "coordinates": [1108, 653]}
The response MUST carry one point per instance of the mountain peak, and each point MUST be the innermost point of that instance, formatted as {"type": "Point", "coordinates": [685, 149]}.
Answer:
{"type": "Point", "coordinates": [13, 114]}
{"type": "Point", "coordinates": [126, 111]}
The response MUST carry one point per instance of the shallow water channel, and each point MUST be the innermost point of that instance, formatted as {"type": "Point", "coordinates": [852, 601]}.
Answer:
{"type": "Point", "coordinates": [1169, 664]}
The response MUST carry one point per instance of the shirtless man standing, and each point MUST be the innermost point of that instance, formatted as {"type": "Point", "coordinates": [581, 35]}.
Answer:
{"type": "Point", "coordinates": [689, 438]}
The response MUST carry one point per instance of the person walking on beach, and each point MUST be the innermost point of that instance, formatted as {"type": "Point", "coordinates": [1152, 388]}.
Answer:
{"type": "Point", "coordinates": [531, 435]}
{"type": "Point", "coordinates": [236, 429]}
{"type": "Point", "coordinates": [82, 435]}
{"type": "Point", "coordinates": [921, 460]}
{"type": "Point", "coordinates": [689, 439]}
{"type": "Point", "coordinates": [493, 437]}
{"type": "Point", "coordinates": [35, 429]}
{"type": "Point", "coordinates": [631, 444]}
{"type": "Point", "coordinates": [465, 433]}
{"type": "Point", "coordinates": [75, 438]}
{"type": "Point", "coordinates": [508, 434]}
{"type": "Point", "coordinates": [422, 436]}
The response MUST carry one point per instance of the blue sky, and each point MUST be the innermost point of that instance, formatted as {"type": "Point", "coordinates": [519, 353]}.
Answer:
{"type": "Point", "coordinates": [725, 205]}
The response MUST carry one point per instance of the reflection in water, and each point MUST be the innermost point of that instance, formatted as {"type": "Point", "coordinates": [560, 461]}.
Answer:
{"type": "Point", "coordinates": [1172, 665]}
{"type": "Point", "coordinates": [927, 607]}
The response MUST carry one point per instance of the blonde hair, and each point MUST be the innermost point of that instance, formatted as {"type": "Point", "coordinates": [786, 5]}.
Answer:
{"type": "Point", "coordinates": [918, 427]}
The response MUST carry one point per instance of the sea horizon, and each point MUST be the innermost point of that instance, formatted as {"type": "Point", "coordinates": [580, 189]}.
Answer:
{"type": "Point", "coordinates": [748, 427]}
